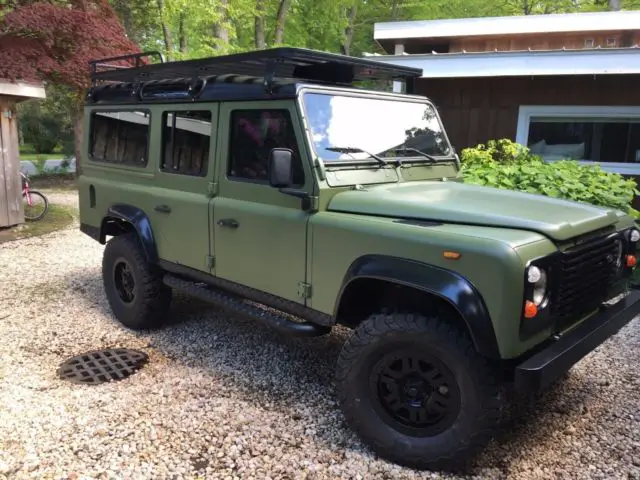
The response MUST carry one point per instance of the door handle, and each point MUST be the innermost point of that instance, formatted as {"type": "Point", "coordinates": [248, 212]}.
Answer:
{"type": "Point", "coordinates": [163, 208]}
{"type": "Point", "coordinates": [228, 222]}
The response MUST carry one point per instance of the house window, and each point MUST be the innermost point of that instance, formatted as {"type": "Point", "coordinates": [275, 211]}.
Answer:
{"type": "Point", "coordinates": [186, 136]}
{"type": "Point", "coordinates": [611, 42]}
{"type": "Point", "coordinates": [606, 135]}
{"type": "Point", "coordinates": [589, 43]}
{"type": "Point", "coordinates": [120, 137]}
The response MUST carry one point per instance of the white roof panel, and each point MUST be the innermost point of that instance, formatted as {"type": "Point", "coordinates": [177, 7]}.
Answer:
{"type": "Point", "coordinates": [512, 25]}
{"type": "Point", "coordinates": [521, 63]}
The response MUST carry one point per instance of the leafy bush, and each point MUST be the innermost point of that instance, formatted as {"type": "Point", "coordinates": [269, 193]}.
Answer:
{"type": "Point", "coordinates": [506, 164]}
{"type": "Point", "coordinates": [46, 124]}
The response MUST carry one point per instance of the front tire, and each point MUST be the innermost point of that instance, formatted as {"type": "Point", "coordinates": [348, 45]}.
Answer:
{"type": "Point", "coordinates": [414, 390]}
{"type": "Point", "coordinates": [32, 212]}
{"type": "Point", "coordinates": [134, 288]}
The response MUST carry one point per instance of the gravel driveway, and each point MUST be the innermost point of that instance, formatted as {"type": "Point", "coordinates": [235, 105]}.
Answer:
{"type": "Point", "coordinates": [227, 398]}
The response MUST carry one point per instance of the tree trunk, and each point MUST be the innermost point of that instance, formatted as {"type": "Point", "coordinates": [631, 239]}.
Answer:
{"type": "Point", "coordinates": [220, 31]}
{"type": "Point", "coordinates": [348, 32]}
{"type": "Point", "coordinates": [182, 34]}
{"type": "Point", "coordinates": [78, 133]}
{"type": "Point", "coordinates": [395, 8]}
{"type": "Point", "coordinates": [260, 39]}
{"type": "Point", "coordinates": [614, 5]}
{"type": "Point", "coordinates": [123, 9]}
{"type": "Point", "coordinates": [280, 20]}
{"type": "Point", "coordinates": [168, 43]}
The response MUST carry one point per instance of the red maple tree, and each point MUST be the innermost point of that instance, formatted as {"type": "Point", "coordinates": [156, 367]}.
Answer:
{"type": "Point", "coordinates": [54, 41]}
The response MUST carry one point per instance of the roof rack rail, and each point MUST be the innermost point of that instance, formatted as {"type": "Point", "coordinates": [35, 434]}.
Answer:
{"type": "Point", "coordinates": [281, 62]}
{"type": "Point", "coordinates": [137, 57]}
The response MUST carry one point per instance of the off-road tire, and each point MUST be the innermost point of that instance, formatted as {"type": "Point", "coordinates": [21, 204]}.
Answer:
{"type": "Point", "coordinates": [152, 298]}
{"type": "Point", "coordinates": [478, 390]}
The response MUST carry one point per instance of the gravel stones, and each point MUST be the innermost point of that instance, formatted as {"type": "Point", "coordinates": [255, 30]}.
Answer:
{"type": "Point", "coordinates": [223, 397]}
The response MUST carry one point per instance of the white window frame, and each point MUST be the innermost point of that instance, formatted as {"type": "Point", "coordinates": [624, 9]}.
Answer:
{"type": "Point", "coordinates": [526, 112]}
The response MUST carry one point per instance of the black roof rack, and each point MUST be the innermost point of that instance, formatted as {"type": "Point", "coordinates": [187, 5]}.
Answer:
{"type": "Point", "coordinates": [270, 64]}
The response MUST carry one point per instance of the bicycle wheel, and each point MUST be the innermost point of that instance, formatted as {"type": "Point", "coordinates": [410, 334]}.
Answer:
{"type": "Point", "coordinates": [39, 205]}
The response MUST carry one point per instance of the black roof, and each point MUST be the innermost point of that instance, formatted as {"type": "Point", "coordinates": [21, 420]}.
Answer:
{"type": "Point", "coordinates": [261, 73]}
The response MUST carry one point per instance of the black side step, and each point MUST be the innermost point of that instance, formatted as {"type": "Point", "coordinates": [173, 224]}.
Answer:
{"type": "Point", "coordinates": [237, 305]}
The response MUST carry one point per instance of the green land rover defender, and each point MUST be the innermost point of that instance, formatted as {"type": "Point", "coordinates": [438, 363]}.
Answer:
{"type": "Point", "coordinates": [273, 184]}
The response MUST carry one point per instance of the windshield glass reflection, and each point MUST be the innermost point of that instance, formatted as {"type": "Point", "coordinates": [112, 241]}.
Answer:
{"type": "Point", "coordinates": [373, 126]}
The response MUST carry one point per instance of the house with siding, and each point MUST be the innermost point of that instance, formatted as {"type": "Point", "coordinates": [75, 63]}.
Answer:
{"type": "Point", "coordinates": [566, 85]}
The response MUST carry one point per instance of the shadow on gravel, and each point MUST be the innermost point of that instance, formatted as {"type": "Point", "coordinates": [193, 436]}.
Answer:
{"type": "Point", "coordinates": [295, 378]}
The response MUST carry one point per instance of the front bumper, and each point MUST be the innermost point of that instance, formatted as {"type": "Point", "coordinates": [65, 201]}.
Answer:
{"type": "Point", "coordinates": [547, 365]}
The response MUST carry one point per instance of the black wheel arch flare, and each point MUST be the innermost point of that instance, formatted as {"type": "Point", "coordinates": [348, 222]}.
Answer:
{"type": "Point", "coordinates": [139, 220]}
{"type": "Point", "coordinates": [445, 284]}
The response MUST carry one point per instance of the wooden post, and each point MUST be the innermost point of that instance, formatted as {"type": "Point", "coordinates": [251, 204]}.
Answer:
{"type": "Point", "coordinates": [11, 207]}
{"type": "Point", "coordinates": [11, 93]}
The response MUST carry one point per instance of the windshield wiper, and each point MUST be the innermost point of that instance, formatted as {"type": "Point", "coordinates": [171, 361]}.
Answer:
{"type": "Point", "coordinates": [404, 149]}
{"type": "Point", "coordinates": [356, 150]}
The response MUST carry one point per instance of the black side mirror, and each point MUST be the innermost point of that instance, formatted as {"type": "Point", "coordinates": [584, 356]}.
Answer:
{"type": "Point", "coordinates": [280, 167]}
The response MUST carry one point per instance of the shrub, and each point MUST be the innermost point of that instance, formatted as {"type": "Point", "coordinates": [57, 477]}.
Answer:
{"type": "Point", "coordinates": [506, 164]}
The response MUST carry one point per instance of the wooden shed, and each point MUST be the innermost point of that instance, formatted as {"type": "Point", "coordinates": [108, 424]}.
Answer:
{"type": "Point", "coordinates": [11, 93]}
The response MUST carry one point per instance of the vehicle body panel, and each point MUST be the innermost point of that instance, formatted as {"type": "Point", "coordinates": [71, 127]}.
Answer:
{"type": "Point", "coordinates": [462, 203]}
{"type": "Point", "coordinates": [488, 260]}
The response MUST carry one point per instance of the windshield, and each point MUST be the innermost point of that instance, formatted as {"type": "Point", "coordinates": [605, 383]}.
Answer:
{"type": "Point", "coordinates": [382, 127]}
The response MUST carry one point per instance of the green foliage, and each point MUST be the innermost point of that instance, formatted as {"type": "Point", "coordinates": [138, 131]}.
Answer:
{"type": "Point", "coordinates": [46, 125]}
{"type": "Point", "coordinates": [506, 164]}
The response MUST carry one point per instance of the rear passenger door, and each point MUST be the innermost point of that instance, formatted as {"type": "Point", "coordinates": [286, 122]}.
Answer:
{"type": "Point", "coordinates": [185, 168]}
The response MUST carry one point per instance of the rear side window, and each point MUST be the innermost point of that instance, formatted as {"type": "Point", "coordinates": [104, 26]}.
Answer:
{"type": "Point", "coordinates": [120, 137]}
{"type": "Point", "coordinates": [186, 137]}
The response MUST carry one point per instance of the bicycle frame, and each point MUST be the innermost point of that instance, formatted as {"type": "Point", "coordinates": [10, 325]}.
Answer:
{"type": "Point", "coordinates": [25, 188]}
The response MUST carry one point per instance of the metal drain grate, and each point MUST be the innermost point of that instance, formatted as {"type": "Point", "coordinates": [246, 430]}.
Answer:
{"type": "Point", "coordinates": [100, 366]}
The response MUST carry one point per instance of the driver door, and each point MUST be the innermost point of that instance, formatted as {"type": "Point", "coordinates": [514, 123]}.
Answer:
{"type": "Point", "coordinates": [260, 234]}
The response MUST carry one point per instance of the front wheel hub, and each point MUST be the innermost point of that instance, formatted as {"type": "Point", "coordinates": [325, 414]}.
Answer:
{"type": "Point", "coordinates": [415, 393]}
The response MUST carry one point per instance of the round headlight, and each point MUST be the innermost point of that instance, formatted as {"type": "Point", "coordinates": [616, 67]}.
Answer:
{"type": "Point", "coordinates": [533, 274]}
{"type": "Point", "coordinates": [634, 235]}
{"type": "Point", "coordinates": [540, 289]}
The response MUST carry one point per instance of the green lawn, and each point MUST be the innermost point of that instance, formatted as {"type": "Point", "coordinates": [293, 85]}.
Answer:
{"type": "Point", "coordinates": [56, 218]}
{"type": "Point", "coordinates": [41, 156]}
{"type": "Point", "coordinates": [27, 152]}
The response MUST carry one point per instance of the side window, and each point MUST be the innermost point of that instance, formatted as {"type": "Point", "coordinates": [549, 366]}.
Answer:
{"type": "Point", "coordinates": [186, 137]}
{"type": "Point", "coordinates": [253, 134]}
{"type": "Point", "coordinates": [120, 137]}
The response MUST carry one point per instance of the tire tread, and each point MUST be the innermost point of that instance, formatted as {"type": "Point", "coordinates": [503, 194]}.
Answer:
{"type": "Point", "coordinates": [375, 328]}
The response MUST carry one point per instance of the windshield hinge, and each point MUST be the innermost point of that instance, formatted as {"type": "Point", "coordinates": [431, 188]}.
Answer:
{"type": "Point", "coordinates": [313, 203]}
{"type": "Point", "coordinates": [210, 262]}
{"type": "Point", "coordinates": [304, 290]}
{"type": "Point", "coordinates": [212, 189]}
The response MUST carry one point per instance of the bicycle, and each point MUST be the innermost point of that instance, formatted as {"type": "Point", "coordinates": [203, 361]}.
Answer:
{"type": "Point", "coordinates": [28, 196]}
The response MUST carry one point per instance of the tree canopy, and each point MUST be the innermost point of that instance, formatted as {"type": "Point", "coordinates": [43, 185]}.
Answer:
{"type": "Point", "coordinates": [54, 41]}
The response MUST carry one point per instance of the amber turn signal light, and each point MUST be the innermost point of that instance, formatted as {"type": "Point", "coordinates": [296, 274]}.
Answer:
{"type": "Point", "coordinates": [631, 261]}
{"type": "Point", "coordinates": [530, 309]}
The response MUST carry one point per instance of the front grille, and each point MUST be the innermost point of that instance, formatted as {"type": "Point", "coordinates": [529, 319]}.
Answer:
{"type": "Point", "coordinates": [582, 279]}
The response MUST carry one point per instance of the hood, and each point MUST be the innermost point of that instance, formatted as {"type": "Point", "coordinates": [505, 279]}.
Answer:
{"type": "Point", "coordinates": [461, 203]}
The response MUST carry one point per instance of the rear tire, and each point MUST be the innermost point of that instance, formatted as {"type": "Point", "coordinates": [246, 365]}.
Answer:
{"type": "Point", "coordinates": [134, 288]}
{"type": "Point", "coordinates": [415, 390]}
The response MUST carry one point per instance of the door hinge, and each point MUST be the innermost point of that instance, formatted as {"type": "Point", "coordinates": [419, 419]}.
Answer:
{"type": "Point", "coordinates": [304, 290]}
{"type": "Point", "coordinates": [212, 189]}
{"type": "Point", "coordinates": [210, 262]}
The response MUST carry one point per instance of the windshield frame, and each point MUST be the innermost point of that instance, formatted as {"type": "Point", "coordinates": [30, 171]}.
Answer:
{"type": "Point", "coordinates": [376, 95]}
